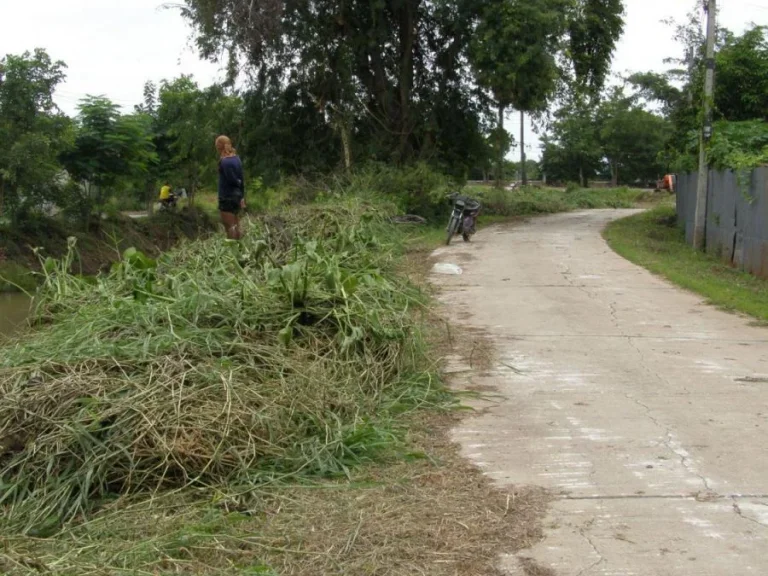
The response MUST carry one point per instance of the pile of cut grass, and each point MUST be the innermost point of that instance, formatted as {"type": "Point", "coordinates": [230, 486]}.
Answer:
{"type": "Point", "coordinates": [220, 364]}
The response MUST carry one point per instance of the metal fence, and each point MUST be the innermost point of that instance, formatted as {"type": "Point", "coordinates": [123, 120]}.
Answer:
{"type": "Point", "coordinates": [737, 216]}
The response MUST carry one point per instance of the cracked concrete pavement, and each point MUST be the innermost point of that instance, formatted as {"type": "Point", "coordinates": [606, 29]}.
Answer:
{"type": "Point", "coordinates": [642, 409]}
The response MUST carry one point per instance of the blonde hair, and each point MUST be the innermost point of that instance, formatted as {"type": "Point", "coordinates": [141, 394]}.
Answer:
{"type": "Point", "coordinates": [224, 146]}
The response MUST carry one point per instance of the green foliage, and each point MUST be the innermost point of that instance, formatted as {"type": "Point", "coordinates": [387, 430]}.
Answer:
{"type": "Point", "coordinates": [741, 90]}
{"type": "Point", "coordinates": [514, 50]}
{"type": "Point", "coordinates": [108, 146]}
{"type": "Point", "coordinates": [631, 139]}
{"type": "Point", "coordinates": [531, 201]}
{"type": "Point", "coordinates": [388, 76]}
{"type": "Point", "coordinates": [217, 365]}
{"type": "Point", "coordinates": [186, 123]}
{"type": "Point", "coordinates": [32, 131]}
{"type": "Point", "coordinates": [739, 145]}
{"type": "Point", "coordinates": [594, 28]}
{"type": "Point", "coordinates": [415, 189]}
{"type": "Point", "coordinates": [14, 277]}
{"type": "Point", "coordinates": [572, 151]}
{"type": "Point", "coordinates": [618, 132]}
{"type": "Point", "coordinates": [740, 102]}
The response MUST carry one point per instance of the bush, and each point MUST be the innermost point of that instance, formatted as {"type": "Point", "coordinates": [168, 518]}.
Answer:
{"type": "Point", "coordinates": [572, 187]}
{"type": "Point", "coordinates": [415, 189]}
{"type": "Point", "coordinates": [530, 201]}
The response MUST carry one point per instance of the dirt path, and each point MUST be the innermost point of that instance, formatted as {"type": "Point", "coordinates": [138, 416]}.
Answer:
{"type": "Point", "coordinates": [642, 409]}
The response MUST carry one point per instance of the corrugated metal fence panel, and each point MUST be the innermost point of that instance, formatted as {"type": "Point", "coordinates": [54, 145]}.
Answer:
{"type": "Point", "coordinates": [722, 198]}
{"type": "Point", "coordinates": [753, 224]}
{"type": "Point", "coordinates": [737, 217]}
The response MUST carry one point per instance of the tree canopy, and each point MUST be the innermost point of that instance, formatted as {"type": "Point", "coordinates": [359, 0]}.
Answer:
{"type": "Point", "coordinates": [390, 79]}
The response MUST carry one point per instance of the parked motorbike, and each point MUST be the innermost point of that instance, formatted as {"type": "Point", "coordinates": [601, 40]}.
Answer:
{"type": "Point", "coordinates": [464, 215]}
{"type": "Point", "coordinates": [169, 205]}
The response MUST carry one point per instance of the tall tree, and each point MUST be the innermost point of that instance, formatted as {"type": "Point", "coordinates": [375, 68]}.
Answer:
{"type": "Point", "coordinates": [594, 28]}
{"type": "Point", "coordinates": [522, 47]}
{"type": "Point", "coordinates": [631, 138]}
{"type": "Point", "coordinates": [514, 53]}
{"type": "Point", "coordinates": [387, 76]}
{"type": "Point", "coordinates": [108, 146]}
{"type": "Point", "coordinates": [572, 151]}
{"type": "Point", "coordinates": [741, 90]}
{"type": "Point", "coordinates": [189, 119]}
{"type": "Point", "coordinates": [33, 131]}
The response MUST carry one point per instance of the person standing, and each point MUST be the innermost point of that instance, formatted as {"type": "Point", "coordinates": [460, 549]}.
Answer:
{"type": "Point", "coordinates": [231, 187]}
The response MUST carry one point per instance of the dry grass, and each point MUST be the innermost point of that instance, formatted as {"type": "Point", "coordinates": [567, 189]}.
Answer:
{"type": "Point", "coordinates": [429, 513]}
{"type": "Point", "coordinates": [532, 568]}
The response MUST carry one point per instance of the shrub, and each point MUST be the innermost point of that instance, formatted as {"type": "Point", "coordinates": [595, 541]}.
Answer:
{"type": "Point", "coordinates": [415, 189]}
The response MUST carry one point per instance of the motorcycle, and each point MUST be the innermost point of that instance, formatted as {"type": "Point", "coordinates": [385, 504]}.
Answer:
{"type": "Point", "coordinates": [169, 205]}
{"type": "Point", "coordinates": [464, 215]}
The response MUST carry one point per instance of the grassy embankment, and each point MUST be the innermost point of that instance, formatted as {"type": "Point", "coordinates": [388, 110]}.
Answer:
{"type": "Point", "coordinates": [653, 241]}
{"type": "Point", "coordinates": [96, 249]}
{"type": "Point", "coordinates": [270, 407]}
{"type": "Point", "coordinates": [535, 201]}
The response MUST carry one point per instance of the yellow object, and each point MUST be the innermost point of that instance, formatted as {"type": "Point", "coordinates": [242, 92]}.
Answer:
{"type": "Point", "coordinates": [165, 193]}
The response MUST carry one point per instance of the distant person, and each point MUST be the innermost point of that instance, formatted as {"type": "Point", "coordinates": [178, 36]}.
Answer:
{"type": "Point", "coordinates": [167, 198]}
{"type": "Point", "coordinates": [231, 187]}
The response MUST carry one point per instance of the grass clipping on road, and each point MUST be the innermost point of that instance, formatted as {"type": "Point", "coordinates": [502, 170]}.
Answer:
{"type": "Point", "coordinates": [253, 406]}
{"type": "Point", "coordinates": [653, 240]}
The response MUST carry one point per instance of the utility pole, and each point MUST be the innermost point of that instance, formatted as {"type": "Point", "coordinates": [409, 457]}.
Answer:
{"type": "Point", "coordinates": [523, 172]}
{"type": "Point", "coordinates": [700, 221]}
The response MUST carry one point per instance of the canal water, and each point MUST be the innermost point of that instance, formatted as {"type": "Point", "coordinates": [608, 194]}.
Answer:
{"type": "Point", "coordinates": [14, 309]}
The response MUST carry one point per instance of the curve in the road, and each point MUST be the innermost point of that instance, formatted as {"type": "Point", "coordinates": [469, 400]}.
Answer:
{"type": "Point", "coordinates": [641, 408]}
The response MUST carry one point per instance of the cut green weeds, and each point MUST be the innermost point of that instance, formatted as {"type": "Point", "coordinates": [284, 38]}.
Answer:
{"type": "Point", "coordinates": [652, 240]}
{"type": "Point", "coordinates": [251, 408]}
{"type": "Point", "coordinates": [220, 363]}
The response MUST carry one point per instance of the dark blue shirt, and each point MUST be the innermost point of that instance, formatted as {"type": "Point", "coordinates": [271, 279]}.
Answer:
{"type": "Point", "coordinates": [231, 180]}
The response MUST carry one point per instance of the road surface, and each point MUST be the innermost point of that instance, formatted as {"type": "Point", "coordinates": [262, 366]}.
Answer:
{"type": "Point", "coordinates": [642, 409]}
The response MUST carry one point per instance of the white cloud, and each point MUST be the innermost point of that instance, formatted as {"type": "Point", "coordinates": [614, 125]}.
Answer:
{"type": "Point", "coordinates": [111, 47]}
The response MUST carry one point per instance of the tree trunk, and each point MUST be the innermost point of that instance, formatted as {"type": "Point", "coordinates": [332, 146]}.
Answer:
{"type": "Point", "coordinates": [523, 171]}
{"type": "Point", "coordinates": [346, 145]}
{"type": "Point", "coordinates": [85, 205]}
{"type": "Point", "coordinates": [614, 174]}
{"type": "Point", "coordinates": [500, 158]}
{"type": "Point", "coordinates": [150, 197]}
{"type": "Point", "coordinates": [407, 33]}
{"type": "Point", "coordinates": [581, 176]}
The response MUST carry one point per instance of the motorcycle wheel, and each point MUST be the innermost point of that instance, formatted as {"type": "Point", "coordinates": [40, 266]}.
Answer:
{"type": "Point", "coordinates": [453, 226]}
{"type": "Point", "coordinates": [467, 229]}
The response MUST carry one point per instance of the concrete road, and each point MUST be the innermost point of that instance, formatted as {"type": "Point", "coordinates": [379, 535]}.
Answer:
{"type": "Point", "coordinates": [641, 408]}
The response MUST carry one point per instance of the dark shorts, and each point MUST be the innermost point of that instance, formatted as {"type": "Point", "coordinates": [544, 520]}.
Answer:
{"type": "Point", "coordinates": [230, 205]}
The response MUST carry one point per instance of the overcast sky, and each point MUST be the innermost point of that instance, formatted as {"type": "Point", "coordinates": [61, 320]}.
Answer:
{"type": "Point", "coordinates": [113, 47]}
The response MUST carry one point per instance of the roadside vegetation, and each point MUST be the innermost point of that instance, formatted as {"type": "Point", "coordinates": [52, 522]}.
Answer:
{"type": "Point", "coordinates": [24, 246]}
{"type": "Point", "coordinates": [267, 407]}
{"type": "Point", "coordinates": [530, 201]}
{"type": "Point", "coordinates": [653, 240]}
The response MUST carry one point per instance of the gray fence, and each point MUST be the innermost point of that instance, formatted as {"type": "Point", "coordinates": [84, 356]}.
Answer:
{"type": "Point", "coordinates": [737, 216]}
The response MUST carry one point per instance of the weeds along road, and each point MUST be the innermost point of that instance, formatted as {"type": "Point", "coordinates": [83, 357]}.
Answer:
{"type": "Point", "coordinates": [642, 409]}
